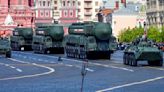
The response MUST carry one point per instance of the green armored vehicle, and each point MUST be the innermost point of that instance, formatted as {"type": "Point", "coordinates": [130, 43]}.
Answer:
{"type": "Point", "coordinates": [5, 47]}
{"type": "Point", "coordinates": [22, 39]}
{"type": "Point", "coordinates": [89, 40]}
{"type": "Point", "coordinates": [48, 39]}
{"type": "Point", "coordinates": [140, 50]}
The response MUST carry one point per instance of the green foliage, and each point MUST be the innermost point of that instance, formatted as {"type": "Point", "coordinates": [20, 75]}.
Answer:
{"type": "Point", "coordinates": [128, 35]}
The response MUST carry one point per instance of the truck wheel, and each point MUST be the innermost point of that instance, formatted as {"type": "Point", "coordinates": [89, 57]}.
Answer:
{"type": "Point", "coordinates": [160, 63]}
{"type": "Point", "coordinates": [8, 54]}
{"type": "Point", "coordinates": [130, 60]}
{"type": "Point", "coordinates": [124, 59]}
{"type": "Point", "coordinates": [109, 56]}
{"type": "Point", "coordinates": [134, 61]}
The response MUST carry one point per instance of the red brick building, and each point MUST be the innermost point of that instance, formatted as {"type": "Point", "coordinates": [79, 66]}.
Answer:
{"type": "Point", "coordinates": [44, 11]}
{"type": "Point", "coordinates": [16, 13]}
{"type": "Point", "coordinates": [68, 11]}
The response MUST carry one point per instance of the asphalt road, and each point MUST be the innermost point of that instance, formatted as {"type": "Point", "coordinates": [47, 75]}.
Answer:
{"type": "Point", "coordinates": [29, 72]}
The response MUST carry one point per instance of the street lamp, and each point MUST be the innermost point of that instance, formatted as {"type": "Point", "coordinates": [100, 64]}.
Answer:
{"type": "Point", "coordinates": [83, 72]}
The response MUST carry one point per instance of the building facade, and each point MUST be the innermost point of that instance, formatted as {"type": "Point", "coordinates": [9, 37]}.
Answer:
{"type": "Point", "coordinates": [68, 11]}
{"type": "Point", "coordinates": [155, 12]}
{"type": "Point", "coordinates": [16, 13]}
{"type": "Point", "coordinates": [56, 10]}
{"type": "Point", "coordinates": [87, 9]}
{"type": "Point", "coordinates": [44, 11]}
{"type": "Point", "coordinates": [122, 19]}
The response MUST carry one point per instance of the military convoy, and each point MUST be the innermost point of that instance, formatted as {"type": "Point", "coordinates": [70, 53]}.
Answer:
{"type": "Point", "coordinates": [5, 47]}
{"type": "Point", "coordinates": [48, 39]}
{"type": "Point", "coordinates": [22, 39]}
{"type": "Point", "coordinates": [143, 49]}
{"type": "Point", "coordinates": [89, 40]}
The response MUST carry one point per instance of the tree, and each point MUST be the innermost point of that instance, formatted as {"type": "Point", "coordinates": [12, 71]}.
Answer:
{"type": "Point", "coordinates": [128, 35]}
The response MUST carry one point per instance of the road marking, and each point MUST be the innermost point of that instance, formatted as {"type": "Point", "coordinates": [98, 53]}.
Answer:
{"type": "Point", "coordinates": [68, 65]}
{"type": "Point", "coordinates": [39, 59]}
{"type": "Point", "coordinates": [109, 66]}
{"type": "Point", "coordinates": [88, 69]}
{"type": "Point", "coordinates": [157, 68]}
{"type": "Point", "coordinates": [51, 70]}
{"type": "Point", "coordinates": [34, 58]}
{"type": "Point", "coordinates": [131, 84]}
{"type": "Point", "coordinates": [19, 70]}
{"type": "Point", "coordinates": [6, 64]}
{"type": "Point", "coordinates": [12, 67]}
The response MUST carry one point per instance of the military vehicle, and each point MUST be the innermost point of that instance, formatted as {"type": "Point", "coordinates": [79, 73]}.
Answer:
{"type": "Point", "coordinates": [22, 39]}
{"type": "Point", "coordinates": [89, 41]}
{"type": "Point", "coordinates": [5, 47]}
{"type": "Point", "coordinates": [48, 39]}
{"type": "Point", "coordinates": [140, 50]}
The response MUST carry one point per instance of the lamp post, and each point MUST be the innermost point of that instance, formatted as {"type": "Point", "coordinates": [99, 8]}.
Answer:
{"type": "Point", "coordinates": [83, 72]}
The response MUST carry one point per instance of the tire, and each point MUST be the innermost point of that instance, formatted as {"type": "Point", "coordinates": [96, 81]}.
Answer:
{"type": "Point", "coordinates": [8, 54]}
{"type": "Point", "coordinates": [159, 63]}
{"type": "Point", "coordinates": [150, 63]}
{"type": "Point", "coordinates": [134, 61]}
{"type": "Point", "coordinates": [109, 56]}
{"type": "Point", "coordinates": [130, 60]}
{"type": "Point", "coordinates": [124, 59]}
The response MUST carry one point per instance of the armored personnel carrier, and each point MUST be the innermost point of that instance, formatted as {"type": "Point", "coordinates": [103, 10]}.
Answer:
{"type": "Point", "coordinates": [89, 40]}
{"type": "Point", "coordinates": [143, 49]}
{"type": "Point", "coordinates": [22, 39]}
{"type": "Point", "coordinates": [5, 47]}
{"type": "Point", "coordinates": [48, 39]}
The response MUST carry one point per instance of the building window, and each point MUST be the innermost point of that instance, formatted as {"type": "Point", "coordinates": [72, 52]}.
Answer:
{"type": "Point", "coordinates": [40, 3]}
{"type": "Point", "coordinates": [96, 10]}
{"type": "Point", "coordinates": [65, 13]}
{"type": "Point", "coordinates": [63, 3]}
{"type": "Point", "coordinates": [73, 3]}
{"type": "Point", "coordinates": [55, 8]}
{"type": "Point", "coordinates": [79, 3]}
{"type": "Point", "coordinates": [68, 2]}
{"type": "Point", "coordinates": [71, 13]}
{"type": "Point", "coordinates": [44, 3]}
{"type": "Point", "coordinates": [20, 2]}
{"type": "Point", "coordinates": [55, 2]}
{"type": "Point", "coordinates": [47, 13]}
{"type": "Point", "coordinates": [96, 3]}
{"type": "Point", "coordinates": [41, 13]}
{"type": "Point", "coordinates": [78, 10]}
{"type": "Point", "coordinates": [48, 3]}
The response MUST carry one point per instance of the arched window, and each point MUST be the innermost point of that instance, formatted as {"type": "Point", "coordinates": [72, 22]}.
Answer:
{"type": "Point", "coordinates": [44, 3]}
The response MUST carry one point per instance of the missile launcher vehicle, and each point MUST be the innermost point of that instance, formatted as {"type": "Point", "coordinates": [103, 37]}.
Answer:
{"type": "Point", "coordinates": [48, 39]}
{"type": "Point", "coordinates": [5, 47]}
{"type": "Point", "coordinates": [22, 39]}
{"type": "Point", "coordinates": [90, 40]}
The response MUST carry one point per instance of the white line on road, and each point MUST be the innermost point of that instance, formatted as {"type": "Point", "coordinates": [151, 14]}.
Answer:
{"type": "Point", "coordinates": [88, 69]}
{"type": "Point", "coordinates": [68, 65]}
{"type": "Point", "coordinates": [157, 68]}
{"type": "Point", "coordinates": [6, 64]}
{"type": "Point", "coordinates": [131, 84]}
{"type": "Point", "coordinates": [80, 61]}
{"type": "Point", "coordinates": [19, 70]}
{"type": "Point", "coordinates": [12, 67]}
{"type": "Point", "coordinates": [51, 70]}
